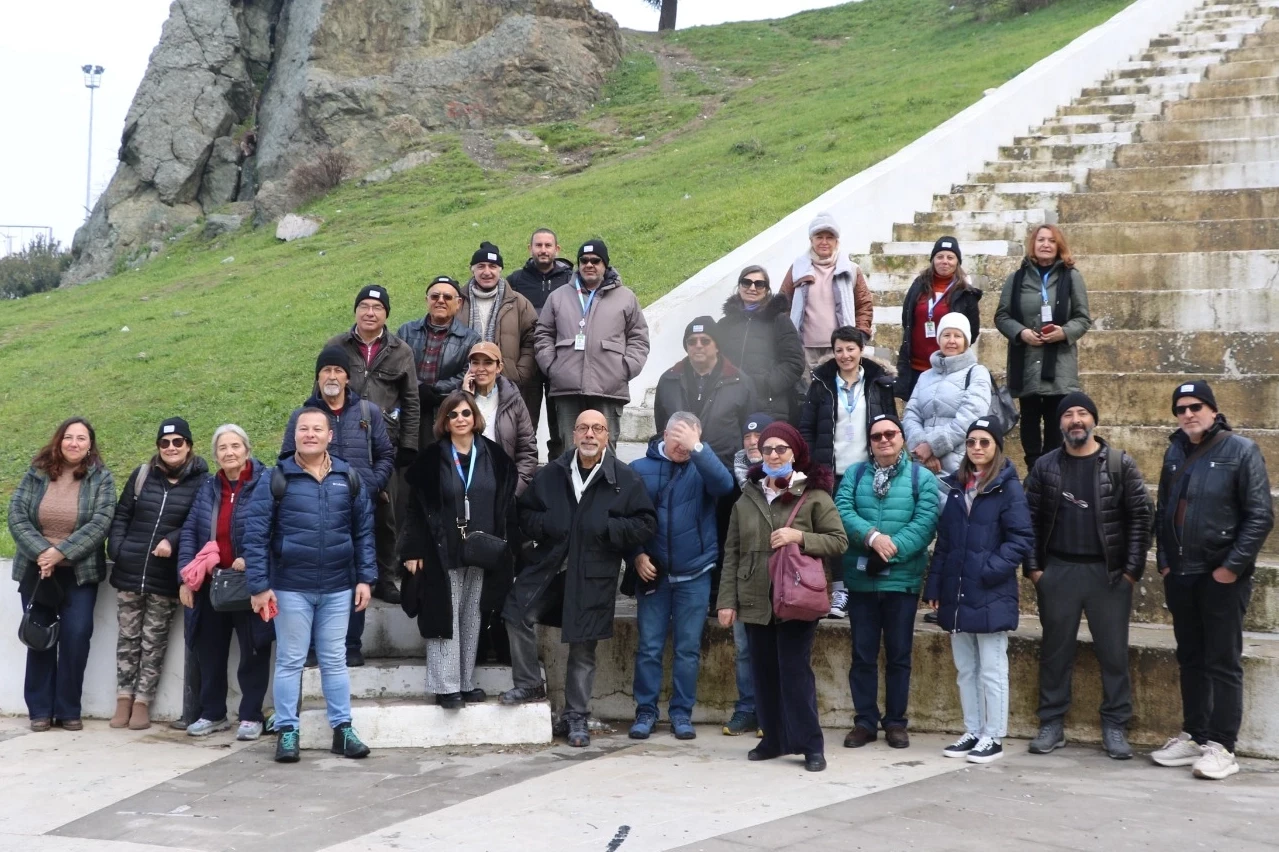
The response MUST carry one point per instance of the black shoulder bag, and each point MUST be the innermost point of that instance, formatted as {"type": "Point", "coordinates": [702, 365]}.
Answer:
{"type": "Point", "coordinates": [40, 627]}
{"type": "Point", "coordinates": [479, 549]}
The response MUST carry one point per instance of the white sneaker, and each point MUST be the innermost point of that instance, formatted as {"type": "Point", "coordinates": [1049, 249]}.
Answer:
{"type": "Point", "coordinates": [1216, 763]}
{"type": "Point", "coordinates": [838, 604]}
{"type": "Point", "coordinates": [249, 731]}
{"type": "Point", "coordinates": [204, 727]}
{"type": "Point", "coordinates": [1181, 750]}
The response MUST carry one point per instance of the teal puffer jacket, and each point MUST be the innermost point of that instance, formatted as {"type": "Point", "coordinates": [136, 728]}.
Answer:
{"type": "Point", "coordinates": [910, 520]}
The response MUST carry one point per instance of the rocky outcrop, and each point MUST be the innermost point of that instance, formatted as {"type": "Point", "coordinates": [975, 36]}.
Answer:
{"type": "Point", "coordinates": [239, 92]}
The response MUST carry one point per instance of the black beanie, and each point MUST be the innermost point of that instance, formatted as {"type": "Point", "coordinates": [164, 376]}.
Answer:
{"type": "Point", "coordinates": [445, 279]}
{"type": "Point", "coordinates": [595, 247]}
{"type": "Point", "coordinates": [1080, 399]}
{"type": "Point", "coordinates": [487, 253]}
{"type": "Point", "coordinates": [374, 291]}
{"type": "Point", "coordinates": [1199, 390]}
{"type": "Point", "coordinates": [947, 244]}
{"type": "Point", "coordinates": [991, 426]}
{"type": "Point", "coordinates": [174, 426]}
{"type": "Point", "coordinates": [880, 418]}
{"type": "Point", "coordinates": [701, 325]}
{"type": "Point", "coordinates": [333, 356]}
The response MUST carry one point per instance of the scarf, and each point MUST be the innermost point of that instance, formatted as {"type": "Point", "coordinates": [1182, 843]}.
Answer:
{"type": "Point", "coordinates": [1061, 313]}
{"type": "Point", "coordinates": [483, 306]}
{"type": "Point", "coordinates": [579, 484]}
{"type": "Point", "coordinates": [884, 475]}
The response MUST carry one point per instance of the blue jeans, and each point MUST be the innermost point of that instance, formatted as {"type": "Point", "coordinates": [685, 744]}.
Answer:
{"type": "Point", "coordinates": [306, 618]}
{"type": "Point", "coordinates": [981, 661]}
{"type": "Point", "coordinates": [679, 608]}
{"type": "Point", "coordinates": [745, 680]}
{"type": "Point", "coordinates": [872, 615]}
{"type": "Point", "coordinates": [55, 678]}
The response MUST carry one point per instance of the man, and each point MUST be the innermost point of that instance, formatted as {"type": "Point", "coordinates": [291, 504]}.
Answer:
{"type": "Point", "coordinates": [1092, 520]}
{"type": "Point", "coordinates": [749, 455]}
{"type": "Point", "coordinates": [707, 385]}
{"type": "Point", "coordinates": [584, 512]}
{"type": "Point", "coordinates": [684, 481]}
{"type": "Point", "coordinates": [381, 371]}
{"type": "Point", "coordinates": [441, 344]}
{"type": "Point", "coordinates": [827, 290]}
{"type": "Point", "coordinates": [543, 272]}
{"type": "Point", "coordinates": [591, 340]}
{"type": "Point", "coordinates": [309, 553]}
{"type": "Point", "coordinates": [500, 315]}
{"type": "Point", "coordinates": [359, 439]}
{"type": "Point", "coordinates": [890, 507]}
{"type": "Point", "coordinates": [1213, 516]}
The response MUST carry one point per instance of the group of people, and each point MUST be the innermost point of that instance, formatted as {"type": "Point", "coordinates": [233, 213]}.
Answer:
{"type": "Point", "coordinates": [410, 474]}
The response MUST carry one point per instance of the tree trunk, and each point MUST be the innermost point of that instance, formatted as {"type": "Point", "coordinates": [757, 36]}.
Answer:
{"type": "Point", "coordinates": [667, 19]}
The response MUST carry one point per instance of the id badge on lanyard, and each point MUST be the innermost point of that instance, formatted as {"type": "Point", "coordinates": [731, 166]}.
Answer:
{"type": "Point", "coordinates": [579, 342]}
{"type": "Point", "coordinates": [850, 406]}
{"type": "Point", "coordinates": [1045, 310]}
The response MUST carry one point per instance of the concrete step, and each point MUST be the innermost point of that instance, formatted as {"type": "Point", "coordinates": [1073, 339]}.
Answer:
{"type": "Point", "coordinates": [1142, 237]}
{"type": "Point", "coordinates": [990, 201]}
{"type": "Point", "coordinates": [1000, 247]}
{"type": "Point", "coordinates": [965, 232]}
{"type": "Point", "coordinates": [1069, 120]}
{"type": "Point", "coordinates": [1168, 205]}
{"type": "Point", "coordinates": [389, 723]}
{"type": "Point", "coordinates": [1164, 66]}
{"type": "Point", "coordinates": [1011, 187]}
{"type": "Point", "coordinates": [1241, 107]}
{"type": "Point", "coordinates": [1033, 152]}
{"type": "Point", "coordinates": [1250, 402]}
{"type": "Point", "coordinates": [1186, 178]}
{"type": "Point", "coordinates": [1254, 53]}
{"type": "Point", "coordinates": [1072, 138]}
{"type": "Point", "coordinates": [1020, 219]}
{"type": "Point", "coordinates": [1209, 129]}
{"type": "Point", "coordinates": [1237, 150]}
{"type": "Point", "coordinates": [1042, 177]}
{"type": "Point", "coordinates": [1246, 87]}
{"type": "Point", "coordinates": [1120, 109]}
{"type": "Point", "coordinates": [1232, 70]}
{"type": "Point", "coordinates": [1058, 128]}
{"type": "Point", "coordinates": [400, 677]}
{"type": "Point", "coordinates": [1159, 85]}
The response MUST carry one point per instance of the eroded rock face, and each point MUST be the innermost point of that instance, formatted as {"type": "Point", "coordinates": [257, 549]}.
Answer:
{"type": "Point", "coordinates": [239, 92]}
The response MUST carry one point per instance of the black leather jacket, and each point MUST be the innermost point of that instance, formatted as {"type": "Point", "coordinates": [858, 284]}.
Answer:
{"type": "Point", "coordinates": [452, 368]}
{"type": "Point", "coordinates": [1123, 520]}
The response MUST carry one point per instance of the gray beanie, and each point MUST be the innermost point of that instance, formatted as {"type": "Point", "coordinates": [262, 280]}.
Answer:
{"type": "Point", "coordinates": [823, 222]}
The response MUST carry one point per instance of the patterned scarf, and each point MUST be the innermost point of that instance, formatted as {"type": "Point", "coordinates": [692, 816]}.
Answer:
{"type": "Point", "coordinates": [495, 296]}
{"type": "Point", "coordinates": [884, 475]}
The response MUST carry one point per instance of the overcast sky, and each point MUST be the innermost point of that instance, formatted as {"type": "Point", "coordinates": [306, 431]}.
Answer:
{"type": "Point", "coordinates": [45, 106]}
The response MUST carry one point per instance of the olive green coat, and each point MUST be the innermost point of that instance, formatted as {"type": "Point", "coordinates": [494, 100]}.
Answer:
{"type": "Point", "coordinates": [1067, 378]}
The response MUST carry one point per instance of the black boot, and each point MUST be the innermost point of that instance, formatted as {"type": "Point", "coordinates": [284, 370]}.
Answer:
{"type": "Point", "coordinates": [347, 743]}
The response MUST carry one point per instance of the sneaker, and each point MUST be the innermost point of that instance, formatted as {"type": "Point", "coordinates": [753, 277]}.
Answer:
{"type": "Point", "coordinates": [1115, 740]}
{"type": "Point", "coordinates": [987, 750]}
{"type": "Point", "coordinates": [741, 722]}
{"type": "Point", "coordinates": [248, 731]}
{"type": "Point", "coordinates": [347, 743]}
{"type": "Point", "coordinates": [578, 734]}
{"type": "Point", "coordinates": [288, 749]}
{"type": "Point", "coordinates": [645, 719]}
{"type": "Point", "coordinates": [961, 746]}
{"type": "Point", "coordinates": [1216, 763]}
{"type": "Point", "coordinates": [682, 728]}
{"type": "Point", "coordinates": [354, 658]}
{"type": "Point", "coordinates": [523, 695]}
{"type": "Point", "coordinates": [1181, 750]}
{"type": "Point", "coordinates": [1052, 735]}
{"type": "Point", "coordinates": [203, 727]}
{"type": "Point", "coordinates": [179, 724]}
{"type": "Point", "coordinates": [838, 604]}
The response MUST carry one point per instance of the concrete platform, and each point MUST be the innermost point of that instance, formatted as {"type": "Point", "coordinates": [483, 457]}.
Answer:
{"type": "Point", "coordinates": [391, 723]}
{"type": "Point", "coordinates": [382, 678]}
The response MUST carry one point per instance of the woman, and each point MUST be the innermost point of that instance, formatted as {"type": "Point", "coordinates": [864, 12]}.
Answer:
{"type": "Point", "coordinates": [59, 518]}
{"type": "Point", "coordinates": [780, 651]}
{"type": "Point", "coordinates": [983, 535]}
{"type": "Point", "coordinates": [951, 394]}
{"type": "Point", "coordinates": [215, 517]}
{"type": "Point", "coordinates": [1043, 311]}
{"type": "Point", "coordinates": [461, 470]}
{"type": "Point", "coordinates": [826, 290]}
{"type": "Point", "coordinates": [758, 336]}
{"type": "Point", "coordinates": [144, 546]}
{"type": "Point", "coordinates": [940, 289]}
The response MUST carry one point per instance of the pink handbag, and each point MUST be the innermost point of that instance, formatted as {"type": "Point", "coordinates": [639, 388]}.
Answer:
{"type": "Point", "coordinates": [799, 580]}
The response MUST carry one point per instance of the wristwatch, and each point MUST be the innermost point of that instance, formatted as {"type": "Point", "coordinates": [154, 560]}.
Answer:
{"type": "Point", "coordinates": [698, 447]}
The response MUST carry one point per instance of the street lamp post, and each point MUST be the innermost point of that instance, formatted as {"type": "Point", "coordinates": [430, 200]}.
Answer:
{"type": "Point", "coordinates": [92, 80]}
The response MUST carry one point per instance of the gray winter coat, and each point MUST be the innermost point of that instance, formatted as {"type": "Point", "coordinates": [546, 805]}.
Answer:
{"type": "Point", "coordinates": [941, 408]}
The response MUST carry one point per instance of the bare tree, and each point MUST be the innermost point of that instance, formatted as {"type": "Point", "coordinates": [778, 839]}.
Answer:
{"type": "Point", "coordinates": [666, 21]}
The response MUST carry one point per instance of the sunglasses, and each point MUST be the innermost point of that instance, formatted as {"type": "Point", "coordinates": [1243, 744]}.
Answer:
{"type": "Point", "coordinates": [441, 297]}
{"type": "Point", "coordinates": [984, 443]}
{"type": "Point", "coordinates": [752, 284]}
{"type": "Point", "coordinates": [459, 412]}
{"type": "Point", "coordinates": [593, 428]}
{"type": "Point", "coordinates": [699, 340]}
{"type": "Point", "coordinates": [776, 450]}
{"type": "Point", "coordinates": [590, 261]}
{"type": "Point", "coordinates": [165, 443]}
{"type": "Point", "coordinates": [886, 435]}
{"type": "Point", "coordinates": [1194, 407]}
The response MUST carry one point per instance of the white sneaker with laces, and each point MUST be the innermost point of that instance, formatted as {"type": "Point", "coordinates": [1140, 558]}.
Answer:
{"type": "Point", "coordinates": [838, 604]}
{"type": "Point", "coordinates": [961, 746]}
{"type": "Point", "coordinates": [987, 750]}
{"type": "Point", "coordinates": [1181, 750]}
{"type": "Point", "coordinates": [1216, 763]}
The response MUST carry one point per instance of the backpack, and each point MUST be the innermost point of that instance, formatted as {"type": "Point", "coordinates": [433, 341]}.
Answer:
{"type": "Point", "coordinates": [914, 479]}
{"type": "Point", "coordinates": [1003, 407]}
{"type": "Point", "coordinates": [798, 580]}
{"type": "Point", "coordinates": [280, 483]}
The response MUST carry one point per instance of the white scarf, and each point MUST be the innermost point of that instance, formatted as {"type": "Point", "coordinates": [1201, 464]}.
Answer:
{"type": "Point", "coordinates": [579, 484]}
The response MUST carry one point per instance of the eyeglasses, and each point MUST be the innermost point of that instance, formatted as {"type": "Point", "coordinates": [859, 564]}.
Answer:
{"type": "Point", "coordinates": [775, 450]}
{"type": "Point", "coordinates": [459, 412]}
{"type": "Point", "coordinates": [1071, 498]}
{"type": "Point", "coordinates": [886, 435]}
{"type": "Point", "coordinates": [590, 261]}
{"type": "Point", "coordinates": [165, 443]}
{"type": "Point", "coordinates": [984, 443]}
{"type": "Point", "coordinates": [752, 284]}
{"type": "Point", "coordinates": [1194, 408]}
{"type": "Point", "coordinates": [699, 340]}
{"type": "Point", "coordinates": [593, 428]}
{"type": "Point", "coordinates": [441, 297]}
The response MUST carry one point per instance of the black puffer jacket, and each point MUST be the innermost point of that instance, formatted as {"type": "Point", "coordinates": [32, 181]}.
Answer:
{"type": "Point", "coordinates": [534, 285]}
{"type": "Point", "coordinates": [765, 346]}
{"type": "Point", "coordinates": [1123, 524]}
{"type": "Point", "coordinates": [730, 399]}
{"type": "Point", "coordinates": [141, 521]}
{"type": "Point", "coordinates": [1228, 505]}
{"type": "Point", "coordinates": [963, 298]}
{"type": "Point", "coordinates": [817, 416]}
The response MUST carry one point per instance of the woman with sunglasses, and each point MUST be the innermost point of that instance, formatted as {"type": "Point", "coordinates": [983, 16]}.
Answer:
{"type": "Point", "coordinates": [59, 518]}
{"type": "Point", "coordinates": [145, 535]}
{"type": "Point", "coordinates": [780, 650]}
{"type": "Point", "coordinates": [462, 483]}
{"type": "Point", "coordinates": [949, 395]}
{"type": "Point", "coordinates": [940, 289]}
{"type": "Point", "coordinates": [757, 335]}
{"type": "Point", "coordinates": [984, 535]}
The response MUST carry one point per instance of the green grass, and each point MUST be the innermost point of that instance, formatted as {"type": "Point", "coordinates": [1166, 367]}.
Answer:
{"type": "Point", "coordinates": [803, 103]}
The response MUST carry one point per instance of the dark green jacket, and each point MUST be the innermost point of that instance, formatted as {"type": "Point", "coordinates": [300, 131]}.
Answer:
{"type": "Point", "coordinates": [909, 521]}
{"type": "Point", "coordinates": [84, 548]}
{"type": "Point", "coordinates": [1030, 299]}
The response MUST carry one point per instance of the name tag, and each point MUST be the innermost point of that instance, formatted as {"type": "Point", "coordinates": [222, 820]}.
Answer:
{"type": "Point", "coordinates": [848, 431]}
{"type": "Point", "coordinates": [861, 563]}
{"type": "Point", "coordinates": [930, 329]}
{"type": "Point", "coordinates": [579, 342]}
{"type": "Point", "coordinates": [1045, 313]}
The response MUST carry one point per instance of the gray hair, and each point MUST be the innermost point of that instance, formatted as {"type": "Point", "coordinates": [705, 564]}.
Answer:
{"type": "Point", "coordinates": [232, 428]}
{"type": "Point", "coordinates": [683, 417]}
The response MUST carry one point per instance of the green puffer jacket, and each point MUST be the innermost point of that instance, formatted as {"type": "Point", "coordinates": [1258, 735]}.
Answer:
{"type": "Point", "coordinates": [909, 521]}
{"type": "Point", "coordinates": [84, 548]}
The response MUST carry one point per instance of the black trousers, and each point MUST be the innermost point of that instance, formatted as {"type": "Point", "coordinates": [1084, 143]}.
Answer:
{"type": "Point", "coordinates": [785, 688]}
{"type": "Point", "coordinates": [1067, 590]}
{"type": "Point", "coordinates": [1207, 621]}
{"type": "Point", "coordinates": [213, 649]}
{"type": "Point", "coordinates": [1040, 428]}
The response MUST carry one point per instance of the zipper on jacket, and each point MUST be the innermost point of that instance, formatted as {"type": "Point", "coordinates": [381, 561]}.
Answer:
{"type": "Point", "coordinates": [324, 525]}
{"type": "Point", "coordinates": [151, 546]}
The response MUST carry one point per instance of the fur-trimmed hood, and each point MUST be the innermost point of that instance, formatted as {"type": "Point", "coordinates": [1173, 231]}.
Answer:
{"type": "Point", "coordinates": [777, 306]}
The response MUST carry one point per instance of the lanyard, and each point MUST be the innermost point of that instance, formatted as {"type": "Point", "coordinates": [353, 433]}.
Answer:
{"type": "Point", "coordinates": [457, 465]}
{"type": "Point", "coordinates": [936, 299]}
{"type": "Point", "coordinates": [1043, 285]}
{"type": "Point", "coordinates": [850, 399]}
{"type": "Point", "coordinates": [585, 302]}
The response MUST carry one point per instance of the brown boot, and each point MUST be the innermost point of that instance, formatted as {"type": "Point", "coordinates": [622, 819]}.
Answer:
{"type": "Point", "coordinates": [140, 719]}
{"type": "Point", "coordinates": [123, 707]}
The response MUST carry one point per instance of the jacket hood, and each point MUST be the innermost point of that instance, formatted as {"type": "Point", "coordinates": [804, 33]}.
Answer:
{"type": "Point", "coordinates": [777, 306]}
{"type": "Point", "coordinates": [827, 371]}
{"type": "Point", "coordinates": [653, 451]}
{"type": "Point", "coordinates": [818, 476]}
{"type": "Point", "coordinates": [195, 466]}
{"type": "Point", "coordinates": [560, 265]}
{"type": "Point", "coordinates": [950, 364]}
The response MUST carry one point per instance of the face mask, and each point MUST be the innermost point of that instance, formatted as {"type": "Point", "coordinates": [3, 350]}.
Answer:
{"type": "Point", "coordinates": [783, 471]}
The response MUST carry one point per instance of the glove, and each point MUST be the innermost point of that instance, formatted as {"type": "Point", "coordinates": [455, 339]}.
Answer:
{"type": "Point", "coordinates": [405, 456]}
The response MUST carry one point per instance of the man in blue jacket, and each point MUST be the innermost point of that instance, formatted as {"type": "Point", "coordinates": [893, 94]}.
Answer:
{"type": "Point", "coordinates": [308, 547]}
{"type": "Point", "coordinates": [684, 479]}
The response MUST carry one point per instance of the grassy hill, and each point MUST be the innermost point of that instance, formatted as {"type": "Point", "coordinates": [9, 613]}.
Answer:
{"type": "Point", "coordinates": [702, 139]}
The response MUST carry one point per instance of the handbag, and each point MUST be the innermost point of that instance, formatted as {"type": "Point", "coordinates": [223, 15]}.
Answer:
{"type": "Point", "coordinates": [39, 628]}
{"type": "Point", "coordinates": [479, 549]}
{"type": "Point", "coordinates": [798, 580]}
{"type": "Point", "coordinates": [1003, 407]}
{"type": "Point", "coordinates": [229, 591]}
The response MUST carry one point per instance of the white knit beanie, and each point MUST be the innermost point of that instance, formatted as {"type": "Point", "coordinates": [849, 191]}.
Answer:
{"type": "Point", "coordinates": [954, 319]}
{"type": "Point", "coordinates": [823, 222]}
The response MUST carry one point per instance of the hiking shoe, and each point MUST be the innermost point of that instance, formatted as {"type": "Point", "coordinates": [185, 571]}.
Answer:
{"type": "Point", "coordinates": [961, 746]}
{"type": "Point", "coordinates": [682, 728]}
{"type": "Point", "coordinates": [523, 695]}
{"type": "Point", "coordinates": [896, 736]}
{"type": "Point", "coordinates": [347, 743]}
{"type": "Point", "coordinates": [645, 719]}
{"type": "Point", "coordinates": [1216, 763]}
{"type": "Point", "coordinates": [1115, 740]}
{"type": "Point", "coordinates": [248, 731]}
{"type": "Point", "coordinates": [741, 722]}
{"type": "Point", "coordinates": [838, 604]}
{"type": "Point", "coordinates": [859, 736]}
{"type": "Point", "coordinates": [287, 748]}
{"type": "Point", "coordinates": [354, 658]}
{"type": "Point", "coordinates": [578, 734]}
{"type": "Point", "coordinates": [1181, 750]}
{"type": "Point", "coordinates": [987, 750]}
{"type": "Point", "coordinates": [1052, 735]}
{"type": "Point", "coordinates": [203, 727]}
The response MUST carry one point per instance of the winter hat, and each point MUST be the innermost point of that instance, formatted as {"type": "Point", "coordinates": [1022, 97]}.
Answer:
{"type": "Point", "coordinates": [374, 291]}
{"type": "Point", "coordinates": [445, 279]}
{"type": "Point", "coordinates": [947, 244]}
{"type": "Point", "coordinates": [823, 222]}
{"type": "Point", "coordinates": [880, 418]}
{"type": "Point", "coordinates": [1199, 390]}
{"type": "Point", "coordinates": [487, 253]}
{"type": "Point", "coordinates": [757, 422]}
{"type": "Point", "coordinates": [595, 247]}
{"type": "Point", "coordinates": [789, 434]}
{"type": "Point", "coordinates": [1078, 399]}
{"type": "Point", "coordinates": [701, 325]}
{"type": "Point", "coordinates": [174, 426]}
{"type": "Point", "coordinates": [955, 319]}
{"type": "Point", "coordinates": [990, 426]}
{"type": "Point", "coordinates": [333, 356]}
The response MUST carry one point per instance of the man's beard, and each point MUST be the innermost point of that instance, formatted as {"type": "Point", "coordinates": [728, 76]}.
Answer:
{"type": "Point", "coordinates": [1076, 443]}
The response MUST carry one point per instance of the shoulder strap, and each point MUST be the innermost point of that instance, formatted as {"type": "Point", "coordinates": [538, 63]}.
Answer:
{"type": "Point", "coordinates": [969, 376]}
{"type": "Point", "coordinates": [1114, 468]}
{"type": "Point", "coordinates": [857, 476]}
{"type": "Point", "coordinates": [140, 479]}
{"type": "Point", "coordinates": [369, 413]}
{"type": "Point", "coordinates": [279, 483]}
{"type": "Point", "coordinates": [795, 511]}
{"type": "Point", "coordinates": [914, 482]}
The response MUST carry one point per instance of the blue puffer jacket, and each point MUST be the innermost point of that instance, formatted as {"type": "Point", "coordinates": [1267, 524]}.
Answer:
{"type": "Point", "coordinates": [318, 540]}
{"type": "Point", "coordinates": [359, 438]}
{"type": "Point", "coordinates": [685, 496]}
{"type": "Point", "coordinates": [974, 569]}
{"type": "Point", "coordinates": [199, 528]}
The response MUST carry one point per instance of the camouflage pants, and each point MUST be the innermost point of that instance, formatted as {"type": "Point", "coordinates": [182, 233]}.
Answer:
{"type": "Point", "coordinates": [144, 621]}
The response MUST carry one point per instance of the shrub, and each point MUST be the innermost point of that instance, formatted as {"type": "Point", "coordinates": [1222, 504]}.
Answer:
{"type": "Point", "coordinates": [319, 175]}
{"type": "Point", "coordinates": [36, 268]}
